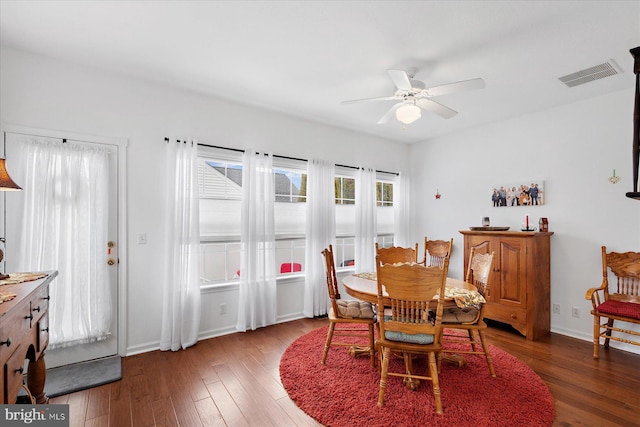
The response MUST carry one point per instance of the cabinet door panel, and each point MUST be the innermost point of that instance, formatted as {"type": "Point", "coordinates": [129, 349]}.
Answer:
{"type": "Point", "coordinates": [513, 271]}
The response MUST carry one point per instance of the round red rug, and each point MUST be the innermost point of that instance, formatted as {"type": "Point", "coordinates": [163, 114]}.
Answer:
{"type": "Point", "coordinates": [344, 392]}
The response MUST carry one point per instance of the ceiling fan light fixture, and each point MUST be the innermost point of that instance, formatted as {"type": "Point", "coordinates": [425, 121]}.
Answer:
{"type": "Point", "coordinates": [408, 113]}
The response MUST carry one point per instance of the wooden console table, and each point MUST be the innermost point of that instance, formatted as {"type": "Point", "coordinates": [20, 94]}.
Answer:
{"type": "Point", "coordinates": [24, 334]}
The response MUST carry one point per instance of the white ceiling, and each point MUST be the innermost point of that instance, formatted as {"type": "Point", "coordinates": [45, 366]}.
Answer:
{"type": "Point", "coordinates": [305, 57]}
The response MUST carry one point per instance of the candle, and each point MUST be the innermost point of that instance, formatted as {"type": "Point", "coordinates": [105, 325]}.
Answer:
{"type": "Point", "coordinates": [526, 221]}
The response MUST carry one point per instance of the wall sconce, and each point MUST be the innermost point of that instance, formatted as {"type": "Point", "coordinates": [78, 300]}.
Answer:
{"type": "Point", "coordinates": [6, 184]}
{"type": "Point", "coordinates": [614, 179]}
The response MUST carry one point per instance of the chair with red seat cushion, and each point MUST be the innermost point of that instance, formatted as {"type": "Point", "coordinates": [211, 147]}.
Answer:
{"type": "Point", "coordinates": [618, 300]}
{"type": "Point", "coordinates": [290, 267]}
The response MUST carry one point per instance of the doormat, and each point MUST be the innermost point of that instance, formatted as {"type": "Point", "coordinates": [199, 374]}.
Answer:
{"type": "Point", "coordinates": [79, 376]}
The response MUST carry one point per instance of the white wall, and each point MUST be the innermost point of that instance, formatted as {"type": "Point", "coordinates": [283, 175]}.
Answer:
{"type": "Point", "coordinates": [574, 149]}
{"type": "Point", "coordinates": [48, 94]}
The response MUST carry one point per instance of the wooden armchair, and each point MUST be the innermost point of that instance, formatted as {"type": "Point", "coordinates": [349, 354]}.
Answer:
{"type": "Point", "coordinates": [396, 254]}
{"type": "Point", "coordinates": [408, 326]}
{"type": "Point", "coordinates": [435, 252]}
{"type": "Point", "coordinates": [348, 313]}
{"type": "Point", "coordinates": [616, 301]}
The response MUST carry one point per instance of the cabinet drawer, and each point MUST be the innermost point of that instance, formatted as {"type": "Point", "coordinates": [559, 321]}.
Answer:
{"type": "Point", "coordinates": [40, 304]}
{"type": "Point", "coordinates": [13, 371]}
{"type": "Point", "coordinates": [43, 334]}
{"type": "Point", "coordinates": [516, 317]}
{"type": "Point", "coordinates": [15, 327]}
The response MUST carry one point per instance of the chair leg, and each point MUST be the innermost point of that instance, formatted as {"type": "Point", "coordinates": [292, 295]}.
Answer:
{"type": "Point", "coordinates": [596, 336]}
{"type": "Point", "coordinates": [383, 374]}
{"type": "Point", "coordinates": [372, 349]}
{"type": "Point", "coordinates": [608, 333]}
{"type": "Point", "coordinates": [327, 344]}
{"type": "Point", "coordinates": [411, 383]}
{"type": "Point", "coordinates": [487, 356]}
{"type": "Point", "coordinates": [471, 338]}
{"type": "Point", "coordinates": [433, 371]}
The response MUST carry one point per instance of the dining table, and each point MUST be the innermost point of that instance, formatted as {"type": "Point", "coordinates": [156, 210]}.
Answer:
{"type": "Point", "coordinates": [458, 293]}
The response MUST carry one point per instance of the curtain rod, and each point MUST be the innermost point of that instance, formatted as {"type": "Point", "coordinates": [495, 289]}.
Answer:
{"type": "Point", "coordinates": [238, 150]}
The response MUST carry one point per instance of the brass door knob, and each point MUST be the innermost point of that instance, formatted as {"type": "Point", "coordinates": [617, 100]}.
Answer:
{"type": "Point", "coordinates": [111, 261]}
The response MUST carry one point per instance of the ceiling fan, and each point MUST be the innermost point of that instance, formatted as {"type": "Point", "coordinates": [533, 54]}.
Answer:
{"type": "Point", "coordinates": [414, 97]}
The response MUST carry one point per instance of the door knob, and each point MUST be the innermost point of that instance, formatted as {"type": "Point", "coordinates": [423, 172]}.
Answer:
{"type": "Point", "coordinates": [111, 261]}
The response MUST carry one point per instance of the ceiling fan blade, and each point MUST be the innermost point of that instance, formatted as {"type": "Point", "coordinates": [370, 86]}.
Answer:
{"type": "Point", "coordinates": [389, 114]}
{"type": "Point", "coordinates": [400, 79]}
{"type": "Point", "coordinates": [436, 108]}
{"type": "Point", "coordinates": [380, 98]}
{"type": "Point", "coordinates": [462, 86]}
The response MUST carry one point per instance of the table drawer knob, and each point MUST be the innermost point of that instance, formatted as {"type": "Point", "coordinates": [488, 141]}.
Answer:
{"type": "Point", "coordinates": [30, 316]}
{"type": "Point", "coordinates": [36, 309]}
{"type": "Point", "coordinates": [7, 342]}
{"type": "Point", "coordinates": [19, 370]}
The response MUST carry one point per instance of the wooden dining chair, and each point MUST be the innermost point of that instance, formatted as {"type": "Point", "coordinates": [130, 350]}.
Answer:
{"type": "Point", "coordinates": [396, 254]}
{"type": "Point", "coordinates": [435, 251]}
{"type": "Point", "coordinates": [408, 326]}
{"type": "Point", "coordinates": [350, 314]}
{"type": "Point", "coordinates": [616, 300]}
{"type": "Point", "coordinates": [471, 319]}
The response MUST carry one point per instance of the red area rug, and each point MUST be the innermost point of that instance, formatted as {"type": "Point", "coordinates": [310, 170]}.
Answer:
{"type": "Point", "coordinates": [344, 392]}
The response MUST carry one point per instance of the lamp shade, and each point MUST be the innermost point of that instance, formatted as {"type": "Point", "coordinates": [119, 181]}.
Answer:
{"type": "Point", "coordinates": [408, 113]}
{"type": "Point", "coordinates": [6, 183]}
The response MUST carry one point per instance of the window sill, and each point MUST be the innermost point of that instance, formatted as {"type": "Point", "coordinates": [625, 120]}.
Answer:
{"type": "Point", "coordinates": [233, 284]}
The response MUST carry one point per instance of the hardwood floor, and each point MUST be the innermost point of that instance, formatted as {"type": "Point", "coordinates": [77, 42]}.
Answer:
{"type": "Point", "coordinates": [234, 381]}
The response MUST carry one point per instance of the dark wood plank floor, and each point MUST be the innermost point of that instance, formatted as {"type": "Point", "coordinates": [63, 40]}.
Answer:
{"type": "Point", "coordinates": [234, 381]}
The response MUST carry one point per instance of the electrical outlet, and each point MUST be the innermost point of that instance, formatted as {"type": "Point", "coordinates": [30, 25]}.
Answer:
{"type": "Point", "coordinates": [556, 308]}
{"type": "Point", "coordinates": [223, 308]}
{"type": "Point", "coordinates": [575, 311]}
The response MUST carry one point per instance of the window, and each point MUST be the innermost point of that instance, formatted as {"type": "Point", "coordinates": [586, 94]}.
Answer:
{"type": "Point", "coordinates": [345, 190]}
{"type": "Point", "coordinates": [290, 184]}
{"type": "Point", "coordinates": [344, 251]}
{"type": "Point", "coordinates": [220, 184]}
{"type": "Point", "coordinates": [384, 193]}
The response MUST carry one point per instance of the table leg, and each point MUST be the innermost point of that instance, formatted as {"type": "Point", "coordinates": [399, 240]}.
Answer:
{"type": "Point", "coordinates": [36, 377]}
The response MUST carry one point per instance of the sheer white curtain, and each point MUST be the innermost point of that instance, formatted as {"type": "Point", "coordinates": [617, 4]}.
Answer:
{"type": "Point", "coordinates": [181, 292]}
{"type": "Point", "coordinates": [257, 299]}
{"type": "Point", "coordinates": [401, 211]}
{"type": "Point", "coordinates": [64, 227]}
{"type": "Point", "coordinates": [365, 220]}
{"type": "Point", "coordinates": [320, 232]}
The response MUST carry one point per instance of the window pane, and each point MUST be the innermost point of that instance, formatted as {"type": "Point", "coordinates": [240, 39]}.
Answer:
{"type": "Point", "coordinates": [290, 186]}
{"type": "Point", "coordinates": [290, 255]}
{"type": "Point", "coordinates": [345, 190]}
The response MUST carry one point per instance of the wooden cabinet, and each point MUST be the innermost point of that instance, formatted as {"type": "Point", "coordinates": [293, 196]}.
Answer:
{"type": "Point", "coordinates": [519, 280]}
{"type": "Point", "coordinates": [24, 334]}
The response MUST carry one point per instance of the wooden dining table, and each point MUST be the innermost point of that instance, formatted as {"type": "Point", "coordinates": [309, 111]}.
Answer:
{"type": "Point", "coordinates": [364, 287]}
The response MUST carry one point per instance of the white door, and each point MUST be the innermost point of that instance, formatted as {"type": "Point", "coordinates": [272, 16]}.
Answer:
{"type": "Point", "coordinates": [13, 216]}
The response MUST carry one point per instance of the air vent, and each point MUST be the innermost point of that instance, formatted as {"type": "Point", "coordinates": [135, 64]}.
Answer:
{"type": "Point", "coordinates": [600, 71]}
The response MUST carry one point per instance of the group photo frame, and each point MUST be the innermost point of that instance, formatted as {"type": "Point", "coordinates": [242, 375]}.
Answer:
{"type": "Point", "coordinates": [523, 193]}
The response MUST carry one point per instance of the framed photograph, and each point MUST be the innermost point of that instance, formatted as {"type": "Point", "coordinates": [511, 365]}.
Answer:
{"type": "Point", "coordinates": [528, 193]}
